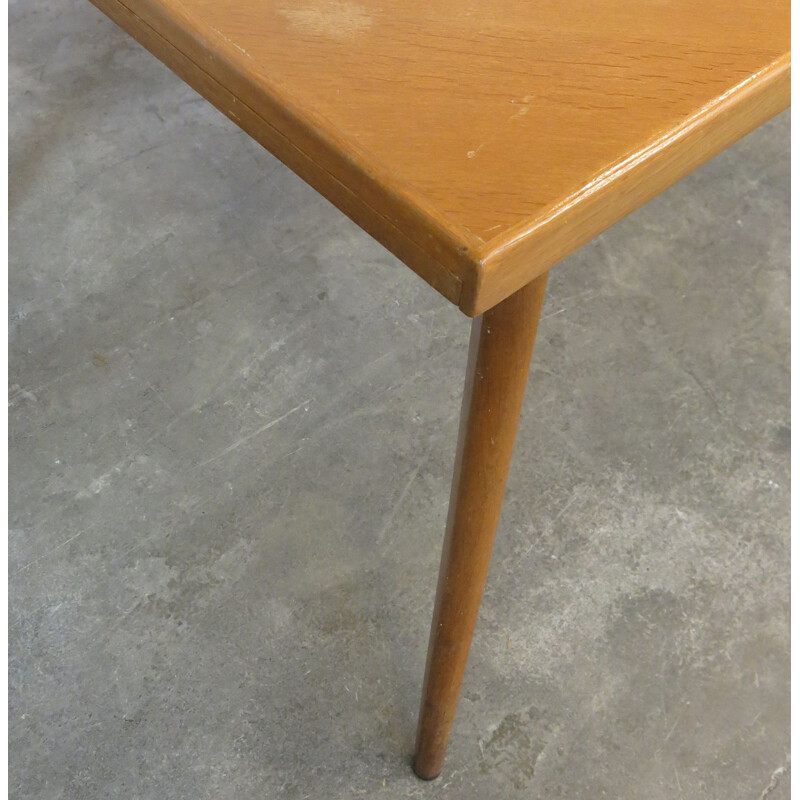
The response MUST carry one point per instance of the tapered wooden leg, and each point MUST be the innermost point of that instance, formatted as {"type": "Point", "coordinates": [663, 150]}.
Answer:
{"type": "Point", "coordinates": [497, 370]}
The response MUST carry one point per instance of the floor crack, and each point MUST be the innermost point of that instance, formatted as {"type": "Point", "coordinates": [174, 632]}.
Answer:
{"type": "Point", "coordinates": [775, 778]}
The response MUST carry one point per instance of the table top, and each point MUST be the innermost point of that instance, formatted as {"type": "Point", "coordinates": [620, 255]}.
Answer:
{"type": "Point", "coordinates": [480, 142]}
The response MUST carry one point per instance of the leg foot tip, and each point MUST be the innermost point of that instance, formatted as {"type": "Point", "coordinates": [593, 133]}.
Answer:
{"type": "Point", "coordinates": [423, 775]}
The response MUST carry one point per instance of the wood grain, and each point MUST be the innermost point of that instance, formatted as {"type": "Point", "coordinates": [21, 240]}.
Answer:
{"type": "Point", "coordinates": [497, 371]}
{"type": "Point", "coordinates": [481, 142]}
{"type": "Point", "coordinates": [509, 262]}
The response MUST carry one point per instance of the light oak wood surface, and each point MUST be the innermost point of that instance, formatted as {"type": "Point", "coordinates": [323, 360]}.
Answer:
{"type": "Point", "coordinates": [480, 142]}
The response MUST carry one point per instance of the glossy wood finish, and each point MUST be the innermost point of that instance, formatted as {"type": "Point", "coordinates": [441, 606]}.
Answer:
{"type": "Point", "coordinates": [497, 372]}
{"type": "Point", "coordinates": [480, 142]}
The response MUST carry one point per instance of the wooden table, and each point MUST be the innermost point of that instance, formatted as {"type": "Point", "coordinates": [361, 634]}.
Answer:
{"type": "Point", "coordinates": [481, 143]}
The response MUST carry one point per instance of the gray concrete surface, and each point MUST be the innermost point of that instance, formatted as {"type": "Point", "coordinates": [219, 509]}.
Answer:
{"type": "Point", "coordinates": [233, 417]}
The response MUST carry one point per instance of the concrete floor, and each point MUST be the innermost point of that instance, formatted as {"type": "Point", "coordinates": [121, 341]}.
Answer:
{"type": "Point", "coordinates": [233, 417]}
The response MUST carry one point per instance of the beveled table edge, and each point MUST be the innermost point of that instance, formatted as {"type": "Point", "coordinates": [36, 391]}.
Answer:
{"type": "Point", "coordinates": [472, 274]}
